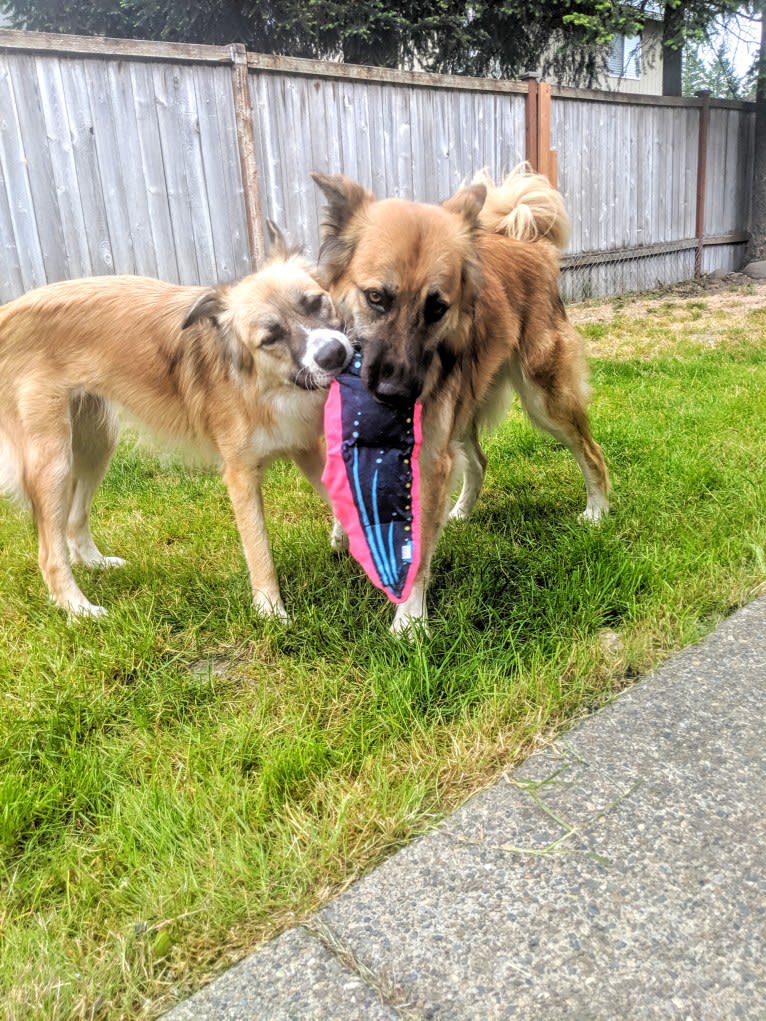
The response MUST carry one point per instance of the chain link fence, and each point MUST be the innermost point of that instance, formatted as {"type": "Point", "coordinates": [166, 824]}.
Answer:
{"type": "Point", "coordinates": [608, 274]}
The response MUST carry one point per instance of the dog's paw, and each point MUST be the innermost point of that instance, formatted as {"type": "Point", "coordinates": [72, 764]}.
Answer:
{"type": "Point", "coordinates": [594, 513]}
{"type": "Point", "coordinates": [108, 562]}
{"type": "Point", "coordinates": [338, 538]}
{"type": "Point", "coordinates": [102, 563]}
{"type": "Point", "coordinates": [459, 513]}
{"type": "Point", "coordinates": [409, 628]}
{"type": "Point", "coordinates": [272, 608]}
{"type": "Point", "coordinates": [85, 610]}
{"type": "Point", "coordinates": [90, 556]}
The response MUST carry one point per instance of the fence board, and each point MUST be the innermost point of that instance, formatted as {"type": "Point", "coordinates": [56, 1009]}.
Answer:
{"type": "Point", "coordinates": [55, 116]}
{"type": "Point", "coordinates": [42, 186]}
{"type": "Point", "coordinates": [109, 155]}
{"type": "Point", "coordinates": [223, 181]}
{"type": "Point", "coordinates": [727, 195]}
{"type": "Point", "coordinates": [87, 170]}
{"type": "Point", "coordinates": [26, 267]}
{"type": "Point", "coordinates": [119, 85]}
{"type": "Point", "coordinates": [152, 169]}
{"type": "Point", "coordinates": [189, 218]}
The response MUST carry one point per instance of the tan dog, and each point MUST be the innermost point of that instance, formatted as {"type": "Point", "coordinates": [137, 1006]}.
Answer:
{"type": "Point", "coordinates": [237, 372]}
{"type": "Point", "coordinates": [458, 305]}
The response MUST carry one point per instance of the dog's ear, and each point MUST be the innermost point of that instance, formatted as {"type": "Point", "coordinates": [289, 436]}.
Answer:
{"type": "Point", "coordinates": [209, 305]}
{"type": "Point", "coordinates": [280, 249]}
{"type": "Point", "coordinates": [467, 202]}
{"type": "Point", "coordinates": [214, 306]}
{"type": "Point", "coordinates": [345, 198]}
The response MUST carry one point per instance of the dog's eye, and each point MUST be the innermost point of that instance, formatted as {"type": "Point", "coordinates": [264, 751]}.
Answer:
{"type": "Point", "coordinates": [435, 308]}
{"type": "Point", "coordinates": [272, 333]}
{"type": "Point", "coordinates": [311, 304]}
{"type": "Point", "coordinates": [379, 301]}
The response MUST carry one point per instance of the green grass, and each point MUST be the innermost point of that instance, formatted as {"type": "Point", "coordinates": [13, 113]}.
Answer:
{"type": "Point", "coordinates": [181, 779]}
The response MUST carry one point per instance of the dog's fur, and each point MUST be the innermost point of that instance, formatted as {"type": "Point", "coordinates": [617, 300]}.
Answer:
{"type": "Point", "coordinates": [458, 305]}
{"type": "Point", "coordinates": [237, 372]}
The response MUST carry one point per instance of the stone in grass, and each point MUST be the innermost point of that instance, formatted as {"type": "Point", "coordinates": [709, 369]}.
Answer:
{"type": "Point", "coordinates": [756, 270]}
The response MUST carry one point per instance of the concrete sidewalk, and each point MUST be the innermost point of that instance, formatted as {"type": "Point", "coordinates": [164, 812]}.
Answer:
{"type": "Point", "coordinates": [619, 874]}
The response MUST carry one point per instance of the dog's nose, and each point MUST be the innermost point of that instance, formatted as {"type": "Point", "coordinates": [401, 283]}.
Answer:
{"type": "Point", "coordinates": [395, 392]}
{"type": "Point", "coordinates": [334, 353]}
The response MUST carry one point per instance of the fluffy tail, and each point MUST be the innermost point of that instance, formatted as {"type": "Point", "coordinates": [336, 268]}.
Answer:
{"type": "Point", "coordinates": [525, 207]}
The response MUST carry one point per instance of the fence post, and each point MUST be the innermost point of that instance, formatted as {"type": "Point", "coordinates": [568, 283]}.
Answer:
{"type": "Point", "coordinates": [546, 155]}
{"type": "Point", "coordinates": [539, 154]}
{"type": "Point", "coordinates": [704, 121]}
{"type": "Point", "coordinates": [243, 113]}
{"type": "Point", "coordinates": [531, 139]}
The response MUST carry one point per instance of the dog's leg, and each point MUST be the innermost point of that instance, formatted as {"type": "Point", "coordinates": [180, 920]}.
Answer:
{"type": "Point", "coordinates": [48, 482]}
{"type": "Point", "coordinates": [435, 477]}
{"type": "Point", "coordinates": [311, 463]}
{"type": "Point", "coordinates": [243, 481]}
{"type": "Point", "coordinates": [474, 469]}
{"type": "Point", "coordinates": [94, 437]}
{"type": "Point", "coordinates": [559, 410]}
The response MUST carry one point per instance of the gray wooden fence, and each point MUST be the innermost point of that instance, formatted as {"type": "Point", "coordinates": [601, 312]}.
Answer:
{"type": "Point", "coordinates": [632, 184]}
{"type": "Point", "coordinates": [163, 159]}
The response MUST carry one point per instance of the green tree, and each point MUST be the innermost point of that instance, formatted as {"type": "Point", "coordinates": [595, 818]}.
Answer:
{"type": "Point", "coordinates": [503, 38]}
{"type": "Point", "coordinates": [688, 22]}
{"type": "Point", "coordinates": [711, 68]}
{"type": "Point", "coordinates": [482, 37]}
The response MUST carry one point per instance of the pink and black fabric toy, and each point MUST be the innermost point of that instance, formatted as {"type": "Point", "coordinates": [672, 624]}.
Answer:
{"type": "Point", "coordinates": [372, 476]}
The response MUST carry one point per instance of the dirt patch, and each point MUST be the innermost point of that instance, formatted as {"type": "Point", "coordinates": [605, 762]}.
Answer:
{"type": "Point", "coordinates": [737, 293]}
{"type": "Point", "coordinates": [706, 313]}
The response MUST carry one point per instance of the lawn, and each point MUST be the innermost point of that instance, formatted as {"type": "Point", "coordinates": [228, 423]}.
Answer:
{"type": "Point", "coordinates": [181, 780]}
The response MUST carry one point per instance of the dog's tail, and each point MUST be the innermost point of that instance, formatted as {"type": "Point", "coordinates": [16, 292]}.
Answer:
{"type": "Point", "coordinates": [525, 207]}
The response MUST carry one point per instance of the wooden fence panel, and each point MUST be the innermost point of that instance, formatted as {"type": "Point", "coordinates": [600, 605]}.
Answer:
{"type": "Point", "coordinates": [729, 175]}
{"type": "Point", "coordinates": [163, 159]}
{"type": "Point", "coordinates": [397, 140]}
{"type": "Point", "coordinates": [23, 263]}
{"type": "Point", "coordinates": [118, 166]}
{"type": "Point", "coordinates": [627, 173]}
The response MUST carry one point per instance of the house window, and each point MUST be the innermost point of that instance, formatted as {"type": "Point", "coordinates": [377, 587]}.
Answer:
{"type": "Point", "coordinates": [625, 57]}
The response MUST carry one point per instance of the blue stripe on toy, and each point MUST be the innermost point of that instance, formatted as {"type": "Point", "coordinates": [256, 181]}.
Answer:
{"type": "Point", "coordinates": [392, 555]}
{"type": "Point", "coordinates": [379, 567]}
{"type": "Point", "coordinates": [390, 565]}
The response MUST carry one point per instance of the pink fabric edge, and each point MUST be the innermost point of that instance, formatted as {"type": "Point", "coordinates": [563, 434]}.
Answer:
{"type": "Point", "coordinates": [335, 481]}
{"type": "Point", "coordinates": [412, 571]}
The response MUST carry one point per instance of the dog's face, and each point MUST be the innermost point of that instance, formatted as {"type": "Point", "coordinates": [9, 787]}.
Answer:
{"type": "Point", "coordinates": [278, 324]}
{"type": "Point", "coordinates": [404, 276]}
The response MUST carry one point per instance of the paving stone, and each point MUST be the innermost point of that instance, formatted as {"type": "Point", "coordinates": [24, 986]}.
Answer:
{"type": "Point", "coordinates": [293, 977]}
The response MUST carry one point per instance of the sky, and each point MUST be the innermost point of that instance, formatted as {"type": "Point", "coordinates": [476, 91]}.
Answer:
{"type": "Point", "coordinates": [743, 39]}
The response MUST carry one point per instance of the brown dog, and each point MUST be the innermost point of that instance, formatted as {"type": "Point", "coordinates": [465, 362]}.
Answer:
{"type": "Point", "coordinates": [237, 372]}
{"type": "Point", "coordinates": [458, 305]}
